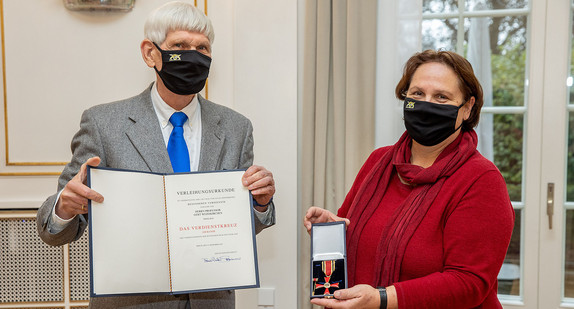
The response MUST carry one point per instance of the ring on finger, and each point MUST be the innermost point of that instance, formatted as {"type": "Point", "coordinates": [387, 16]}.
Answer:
{"type": "Point", "coordinates": [83, 206]}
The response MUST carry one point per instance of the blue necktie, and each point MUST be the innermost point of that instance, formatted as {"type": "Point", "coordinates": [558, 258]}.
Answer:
{"type": "Point", "coordinates": [176, 146]}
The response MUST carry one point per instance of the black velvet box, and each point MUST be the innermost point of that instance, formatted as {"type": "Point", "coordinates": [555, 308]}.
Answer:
{"type": "Point", "coordinates": [328, 259]}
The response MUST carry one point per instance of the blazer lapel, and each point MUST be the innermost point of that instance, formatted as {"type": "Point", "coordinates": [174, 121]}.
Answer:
{"type": "Point", "coordinates": [145, 134]}
{"type": "Point", "coordinates": [212, 137]}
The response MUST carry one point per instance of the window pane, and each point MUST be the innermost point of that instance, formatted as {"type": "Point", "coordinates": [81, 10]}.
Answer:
{"type": "Point", "coordinates": [570, 154]}
{"type": "Point", "coordinates": [570, 158]}
{"type": "Point", "coordinates": [508, 133]}
{"type": "Point", "coordinates": [439, 34]}
{"type": "Point", "coordinates": [440, 6]}
{"type": "Point", "coordinates": [508, 60]}
{"type": "Point", "coordinates": [509, 276]}
{"type": "Point", "coordinates": [476, 5]}
{"type": "Point", "coordinates": [569, 255]}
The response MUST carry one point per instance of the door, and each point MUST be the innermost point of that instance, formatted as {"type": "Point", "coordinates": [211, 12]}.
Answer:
{"type": "Point", "coordinates": [556, 192]}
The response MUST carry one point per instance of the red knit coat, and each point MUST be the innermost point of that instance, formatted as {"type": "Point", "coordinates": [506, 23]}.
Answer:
{"type": "Point", "coordinates": [454, 256]}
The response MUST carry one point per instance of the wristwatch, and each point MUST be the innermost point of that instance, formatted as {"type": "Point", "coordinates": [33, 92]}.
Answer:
{"type": "Point", "coordinates": [383, 294]}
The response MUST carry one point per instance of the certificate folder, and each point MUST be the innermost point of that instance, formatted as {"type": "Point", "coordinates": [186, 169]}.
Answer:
{"type": "Point", "coordinates": [170, 233]}
{"type": "Point", "coordinates": [328, 259]}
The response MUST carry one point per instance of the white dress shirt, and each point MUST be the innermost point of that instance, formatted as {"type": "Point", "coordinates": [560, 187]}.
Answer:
{"type": "Point", "coordinates": [191, 128]}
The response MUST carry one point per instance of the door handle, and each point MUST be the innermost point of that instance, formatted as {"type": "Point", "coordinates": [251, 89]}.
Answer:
{"type": "Point", "coordinates": [550, 203]}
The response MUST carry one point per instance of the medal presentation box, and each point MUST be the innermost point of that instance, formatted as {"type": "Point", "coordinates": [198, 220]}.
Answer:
{"type": "Point", "coordinates": [328, 259]}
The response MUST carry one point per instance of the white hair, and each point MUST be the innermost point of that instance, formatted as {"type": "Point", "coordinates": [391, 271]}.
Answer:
{"type": "Point", "coordinates": [176, 15]}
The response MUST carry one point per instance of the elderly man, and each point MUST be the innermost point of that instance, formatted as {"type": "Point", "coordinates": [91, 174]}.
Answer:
{"type": "Point", "coordinates": [136, 134]}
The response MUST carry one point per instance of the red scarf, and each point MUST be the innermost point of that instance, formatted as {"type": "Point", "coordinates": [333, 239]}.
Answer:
{"type": "Point", "coordinates": [401, 226]}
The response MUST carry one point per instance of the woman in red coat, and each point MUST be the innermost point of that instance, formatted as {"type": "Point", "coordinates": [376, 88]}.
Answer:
{"type": "Point", "coordinates": [429, 218]}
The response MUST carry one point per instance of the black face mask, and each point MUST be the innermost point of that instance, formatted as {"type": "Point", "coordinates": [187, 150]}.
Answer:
{"type": "Point", "coordinates": [430, 123]}
{"type": "Point", "coordinates": [183, 72]}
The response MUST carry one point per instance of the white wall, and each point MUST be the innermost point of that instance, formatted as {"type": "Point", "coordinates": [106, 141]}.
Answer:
{"type": "Point", "coordinates": [265, 90]}
{"type": "Point", "coordinates": [57, 63]}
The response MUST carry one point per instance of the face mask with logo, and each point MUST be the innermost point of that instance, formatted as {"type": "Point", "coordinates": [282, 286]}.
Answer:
{"type": "Point", "coordinates": [430, 123]}
{"type": "Point", "coordinates": [183, 72]}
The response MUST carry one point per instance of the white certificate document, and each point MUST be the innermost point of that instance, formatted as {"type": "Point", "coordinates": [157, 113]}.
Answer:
{"type": "Point", "coordinates": [170, 233]}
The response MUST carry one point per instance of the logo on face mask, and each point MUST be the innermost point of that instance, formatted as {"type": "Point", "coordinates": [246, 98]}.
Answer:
{"type": "Point", "coordinates": [410, 104]}
{"type": "Point", "coordinates": [174, 57]}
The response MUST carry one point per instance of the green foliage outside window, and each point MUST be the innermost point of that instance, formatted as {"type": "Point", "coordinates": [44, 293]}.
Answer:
{"type": "Point", "coordinates": [570, 158]}
{"type": "Point", "coordinates": [508, 90]}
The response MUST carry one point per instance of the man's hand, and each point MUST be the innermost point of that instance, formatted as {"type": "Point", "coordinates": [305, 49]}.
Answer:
{"type": "Point", "coordinates": [75, 196]}
{"type": "Point", "coordinates": [261, 184]}
{"type": "Point", "coordinates": [360, 296]}
{"type": "Point", "coordinates": [320, 215]}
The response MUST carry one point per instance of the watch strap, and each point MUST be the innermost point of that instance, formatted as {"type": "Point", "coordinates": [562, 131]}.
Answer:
{"type": "Point", "coordinates": [383, 295]}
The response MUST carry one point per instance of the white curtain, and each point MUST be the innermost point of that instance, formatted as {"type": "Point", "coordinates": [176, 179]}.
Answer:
{"type": "Point", "coordinates": [479, 56]}
{"type": "Point", "coordinates": [398, 38]}
{"type": "Point", "coordinates": [337, 108]}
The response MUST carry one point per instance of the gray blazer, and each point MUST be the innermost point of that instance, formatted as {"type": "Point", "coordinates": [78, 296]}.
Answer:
{"type": "Point", "coordinates": [126, 134]}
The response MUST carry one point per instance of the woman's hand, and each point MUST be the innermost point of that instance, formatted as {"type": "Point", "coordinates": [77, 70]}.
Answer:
{"type": "Point", "coordinates": [360, 296]}
{"type": "Point", "coordinates": [320, 215]}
